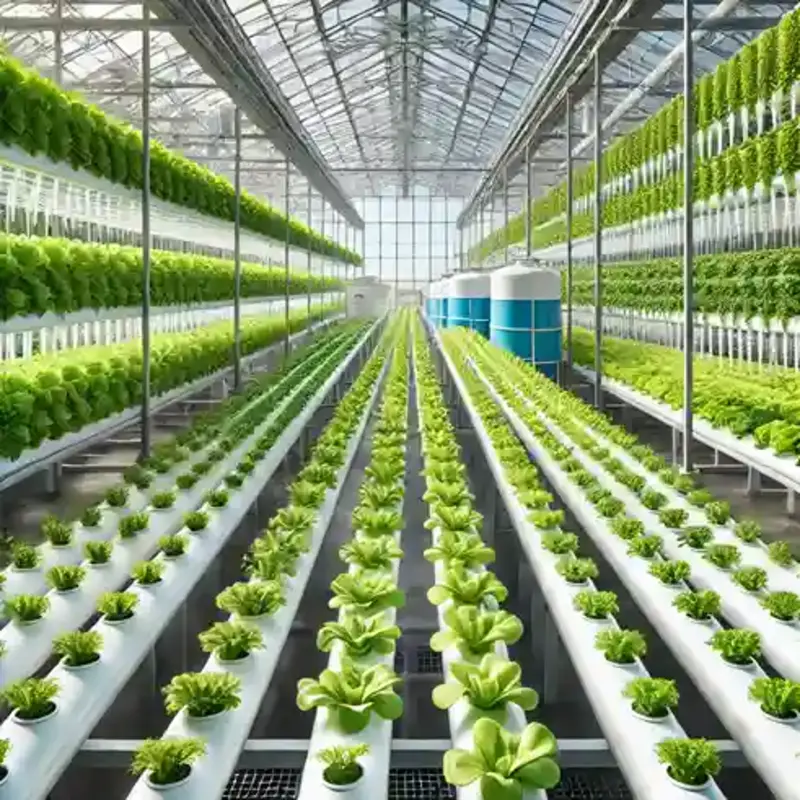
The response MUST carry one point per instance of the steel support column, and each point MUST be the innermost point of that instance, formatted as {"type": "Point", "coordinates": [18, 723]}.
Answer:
{"type": "Point", "coordinates": [688, 235]}
{"type": "Point", "coordinates": [380, 238]}
{"type": "Point", "coordinates": [237, 254]}
{"type": "Point", "coordinates": [322, 260]}
{"type": "Point", "coordinates": [414, 240]}
{"type": "Point", "coordinates": [460, 249]}
{"type": "Point", "coordinates": [505, 214]}
{"type": "Point", "coordinates": [309, 265]}
{"type": "Point", "coordinates": [568, 143]}
{"type": "Point", "coordinates": [145, 421]}
{"type": "Point", "coordinates": [287, 209]}
{"type": "Point", "coordinates": [58, 42]}
{"type": "Point", "coordinates": [528, 203]}
{"type": "Point", "coordinates": [598, 232]}
{"type": "Point", "coordinates": [430, 241]}
{"type": "Point", "coordinates": [446, 231]}
{"type": "Point", "coordinates": [396, 249]}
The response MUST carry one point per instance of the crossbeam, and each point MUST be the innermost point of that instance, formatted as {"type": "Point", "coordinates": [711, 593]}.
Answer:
{"type": "Point", "coordinates": [72, 24]}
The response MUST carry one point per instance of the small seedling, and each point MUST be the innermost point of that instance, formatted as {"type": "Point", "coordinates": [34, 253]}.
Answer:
{"type": "Point", "coordinates": [173, 546]}
{"type": "Point", "coordinates": [202, 694]}
{"type": "Point", "coordinates": [78, 648]}
{"type": "Point", "coordinates": [689, 761]}
{"type": "Point", "coordinates": [559, 543]}
{"type": "Point", "coordinates": [31, 698]}
{"type": "Point", "coordinates": [683, 483]}
{"type": "Point", "coordinates": [185, 481]}
{"type": "Point", "coordinates": [249, 600]}
{"type": "Point", "coordinates": [117, 606]}
{"type": "Point", "coordinates": [671, 573]}
{"type": "Point", "coordinates": [216, 455]}
{"type": "Point", "coordinates": [700, 497]}
{"type": "Point", "coordinates": [217, 498]}
{"type": "Point", "coordinates": [784, 606]}
{"type": "Point", "coordinates": [621, 646]}
{"type": "Point", "coordinates": [137, 476]}
{"type": "Point", "coordinates": [751, 579]}
{"type": "Point", "coordinates": [748, 530]}
{"type": "Point", "coordinates": [341, 764]}
{"type": "Point", "coordinates": [5, 749]}
{"type": "Point", "coordinates": [117, 496]}
{"type": "Point", "coordinates": [201, 468]}
{"type": "Point", "coordinates": [780, 553]}
{"type": "Point", "coordinates": [718, 512]}
{"type": "Point", "coordinates": [737, 646]}
{"type": "Point", "coordinates": [23, 556]}
{"type": "Point", "coordinates": [700, 606]}
{"type": "Point", "coordinates": [653, 500]}
{"type": "Point", "coordinates": [673, 517]}
{"type": "Point", "coordinates": [167, 761]}
{"type": "Point", "coordinates": [724, 556]}
{"type": "Point", "coordinates": [98, 552]}
{"type": "Point", "coordinates": [26, 608]}
{"type": "Point", "coordinates": [162, 500]}
{"type": "Point", "coordinates": [610, 507]}
{"type": "Point", "coordinates": [231, 641]}
{"type": "Point", "coordinates": [196, 521]}
{"type": "Point", "coordinates": [627, 528]}
{"type": "Point", "coordinates": [645, 546]}
{"type": "Point", "coordinates": [246, 466]}
{"type": "Point", "coordinates": [135, 523]}
{"type": "Point", "coordinates": [696, 536]}
{"type": "Point", "coordinates": [58, 533]}
{"type": "Point", "coordinates": [652, 697]}
{"type": "Point", "coordinates": [596, 605]}
{"type": "Point", "coordinates": [577, 570]}
{"type": "Point", "coordinates": [778, 697]}
{"type": "Point", "coordinates": [233, 480]}
{"type": "Point", "coordinates": [91, 517]}
{"type": "Point", "coordinates": [148, 573]}
{"type": "Point", "coordinates": [66, 578]}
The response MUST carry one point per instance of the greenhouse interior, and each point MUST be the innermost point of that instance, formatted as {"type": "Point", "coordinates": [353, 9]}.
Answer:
{"type": "Point", "coordinates": [399, 400]}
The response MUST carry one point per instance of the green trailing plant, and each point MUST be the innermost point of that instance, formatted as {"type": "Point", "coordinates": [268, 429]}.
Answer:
{"type": "Point", "coordinates": [359, 636]}
{"type": "Point", "coordinates": [778, 697]}
{"type": "Point", "coordinates": [352, 695]}
{"type": "Point", "coordinates": [167, 761]}
{"type": "Point", "coordinates": [98, 552]}
{"type": "Point", "coordinates": [621, 646]}
{"type": "Point", "coordinates": [365, 594]}
{"type": "Point", "coordinates": [488, 686]}
{"type": "Point", "coordinates": [748, 530]}
{"type": "Point", "coordinates": [455, 547]}
{"type": "Point", "coordinates": [91, 517]}
{"type": "Point", "coordinates": [173, 545]}
{"type": "Point", "coordinates": [467, 588]}
{"type": "Point", "coordinates": [780, 553]}
{"type": "Point", "coordinates": [784, 606]}
{"type": "Point", "coordinates": [700, 606]}
{"type": "Point", "coordinates": [78, 648]}
{"type": "Point", "coordinates": [577, 570]}
{"type": "Point", "coordinates": [737, 646]}
{"type": "Point", "coordinates": [231, 640]}
{"type": "Point", "coordinates": [202, 694]}
{"type": "Point", "coordinates": [596, 605]}
{"type": "Point", "coordinates": [253, 599]}
{"type": "Point", "coordinates": [148, 573]}
{"type": "Point", "coordinates": [751, 579]}
{"type": "Point", "coordinates": [134, 523]}
{"type": "Point", "coordinates": [475, 632]}
{"type": "Point", "coordinates": [196, 521]}
{"type": "Point", "coordinates": [671, 573]}
{"type": "Point", "coordinates": [371, 554]}
{"type": "Point", "coordinates": [652, 697]}
{"type": "Point", "coordinates": [162, 500]}
{"type": "Point", "coordinates": [65, 578]}
{"type": "Point", "coordinates": [646, 546]}
{"type": "Point", "coordinates": [117, 606]}
{"type": "Point", "coordinates": [696, 536]}
{"type": "Point", "coordinates": [341, 764]}
{"type": "Point", "coordinates": [58, 533]}
{"type": "Point", "coordinates": [26, 608]}
{"type": "Point", "coordinates": [25, 557]}
{"type": "Point", "coordinates": [689, 761]}
{"type": "Point", "coordinates": [559, 543]}
{"type": "Point", "coordinates": [31, 698]}
{"type": "Point", "coordinates": [724, 556]}
{"type": "Point", "coordinates": [505, 765]}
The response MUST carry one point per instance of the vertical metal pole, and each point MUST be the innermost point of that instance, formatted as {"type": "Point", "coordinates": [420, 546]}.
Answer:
{"type": "Point", "coordinates": [430, 240]}
{"type": "Point", "coordinates": [688, 238]}
{"type": "Point", "coordinates": [145, 422]}
{"type": "Point", "coordinates": [461, 249]}
{"type": "Point", "coordinates": [380, 238]}
{"type": "Point", "coordinates": [287, 240]}
{"type": "Point", "coordinates": [491, 213]}
{"type": "Point", "coordinates": [528, 204]}
{"type": "Point", "coordinates": [346, 267]}
{"type": "Point", "coordinates": [446, 232]}
{"type": "Point", "coordinates": [505, 214]}
{"type": "Point", "coordinates": [414, 241]}
{"type": "Point", "coordinates": [309, 199]}
{"type": "Point", "coordinates": [569, 235]}
{"type": "Point", "coordinates": [322, 262]}
{"type": "Point", "coordinates": [598, 234]}
{"type": "Point", "coordinates": [396, 249]}
{"type": "Point", "coordinates": [237, 255]}
{"type": "Point", "coordinates": [58, 43]}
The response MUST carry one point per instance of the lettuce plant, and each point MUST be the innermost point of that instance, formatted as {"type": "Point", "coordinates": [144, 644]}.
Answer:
{"type": "Point", "coordinates": [700, 497]}
{"type": "Point", "coordinates": [627, 528]}
{"type": "Point", "coordinates": [559, 543]}
{"type": "Point", "coordinates": [341, 764]}
{"type": "Point", "coordinates": [5, 748]}
{"type": "Point", "coordinates": [31, 698]}
{"type": "Point", "coordinates": [652, 499]}
{"type": "Point", "coordinates": [167, 761]}
{"type": "Point", "coordinates": [58, 533]}
{"type": "Point", "coordinates": [645, 546]}
{"type": "Point", "coordinates": [65, 578]}
{"type": "Point", "coordinates": [784, 606]}
{"type": "Point", "coordinates": [671, 573]}
{"type": "Point", "coordinates": [780, 553]}
{"type": "Point", "coordinates": [91, 517]}
{"type": "Point", "coordinates": [718, 512]}
{"type": "Point", "coordinates": [467, 588]}
{"type": "Point", "coordinates": [386, 473]}
{"type": "Point", "coordinates": [751, 579]}
{"type": "Point", "coordinates": [378, 522]}
{"type": "Point", "coordinates": [148, 573]}
{"type": "Point", "coordinates": [26, 608]}
{"type": "Point", "coordinates": [98, 552]}
{"type": "Point", "coordinates": [306, 494]}
{"type": "Point", "coordinates": [376, 496]}
{"type": "Point", "coordinates": [251, 600]}
{"type": "Point", "coordinates": [454, 520]}
{"type": "Point", "coordinates": [370, 554]}
{"type": "Point", "coordinates": [700, 606]}
{"type": "Point", "coordinates": [196, 521]}
{"type": "Point", "coordinates": [173, 545]}
{"type": "Point", "coordinates": [488, 686]}
{"type": "Point", "coordinates": [467, 549]}
{"type": "Point", "coordinates": [673, 517]}
{"type": "Point", "coordinates": [535, 498]}
{"type": "Point", "coordinates": [78, 648]}
{"type": "Point", "coordinates": [186, 481]}
{"type": "Point", "coordinates": [475, 632]}
{"type": "Point", "coordinates": [24, 557]}
{"type": "Point", "coordinates": [117, 606]}
{"type": "Point", "coordinates": [134, 523]}
{"type": "Point", "coordinates": [652, 697]}
{"type": "Point", "coordinates": [737, 646]}
{"type": "Point", "coordinates": [217, 498]}
{"type": "Point", "coordinates": [448, 494]}
{"type": "Point", "coordinates": [294, 520]}
{"type": "Point", "coordinates": [117, 496]}
{"type": "Point", "coordinates": [696, 536]}
{"type": "Point", "coordinates": [779, 697]}
{"type": "Point", "coordinates": [202, 694]}
{"type": "Point", "coordinates": [748, 530]}
{"type": "Point", "coordinates": [596, 605]}
{"type": "Point", "coordinates": [233, 480]}
{"type": "Point", "coordinates": [577, 570]}
{"type": "Point", "coordinates": [319, 474]}
{"type": "Point", "coordinates": [352, 695]}
{"type": "Point", "coordinates": [546, 519]}
{"type": "Point", "coordinates": [621, 646]}
{"type": "Point", "coordinates": [689, 761]}
{"type": "Point", "coordinates": [506, 766]}
{"type": "Point", "coordinates": [359, 636]}
{"type": "Point", "coordinates": [231, 640]}
{"type": "Point", "coordinates": [162, 500]}
{"type": "Point", "coordinates": [724, 556]}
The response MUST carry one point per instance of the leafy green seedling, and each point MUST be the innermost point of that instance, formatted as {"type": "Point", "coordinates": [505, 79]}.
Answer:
{"type": "Point", "coordinates": [378, 522]}
{"type": "Point", "coordinates": [306, 494]}
{"type": "Point", "coordinates": [341, 764]}
{"type": "Point", "coordinates": [784, 606]}
{"type": "Point", "coordinates": [577, 570]}
{"type": "Point", "coordinates": [627, 528]}
{"type": "Point", "coordinates": [653, 500]}
{"type": "Point", "coordinates": [475, 632]}
{"type": "Point", "coordinates": [737, 646]}
{"type": "Point", "coordinates": [202, 694]}
{"type": "Point", "coordinates": [186, 481]}
{"type": "Point", "coordinates": [148, 573]}
{"type": "Point", "coordinates": [673, 517]}
{"type": "Point", "coordinates": [779, 697]}
{"type": "Point", "coordinates": [467, 588]}
{"type": "Point", "coordinates": [718, 512]}
{"type": "Point", "coordinates": [748, 530]}
{"type": "Point", "coordinates": [78, 648]}
{"type": "Point", "coordinates": [31, 698]}
{"type": "Point", "coordinates": [610, 507]}
{"type": "Point", "coordinates": [559, 543]}
{"type": "Point", "coordinates": [196, 521]}
{"type": "Point", "coordinates": [536, 498]}
{"type": "Point", "coordinates": [117, 606]}
{"type": "Point", "coordinates": [466, 549]}
{"type": "Point", "coordinates": [621, 646]}
{"type": "Point", "coordinates": [117, 496]}
{"type": "Point", "coordinates": [645, 546]}
{"type": "Point", "coordinates": [66, 578]}
{"type": "Point", "coordinates": [780, 553]}
{"type": "Point", "coordinates": [360, 636]}
{"type": "Point", "coordinates": [365, 594]}
{"type": "Point", "coordinates": [167, 761]}
{"type": "Point", "coordinates": [683, 483]}
{"type": "Point", "coordinates": [724, 556]}
{"type": "Point", "coordinates": [58, 533]}
{"type": "Point", "coordinates": [700, 606]}
{"type": "Point", "coordinates": [700, 497]}
{"type": "Point", "coordinates": [448, 494]}
{"type": "Point", "coordinates": [251, 600]}
{"type": "Point", "coordinates": [5, 749]}
{"type": "Point", "coordinates": [233, 480]}
{"type": "Point", "coordinates": [671, 573]}
{"type": "Point", "coordinates": [98, 552]}
{"type": "Point", "coordinates": [216, 455]}
{"type": "Point", "coordinates": [370, 554]}
{"type": "Point", "coordinates": [596, 605]}
{"type": "Point", "coordinates": [201, 468]}
{"type": "Point", "coordinates": [652, 697]}
{"type": "Point", "coordinates": [174, 545]}
{"type": "Point", "coordinates": [545, 519]}
{"type": "Point", "coordinates": [231, 641]}
{"type": "Point", "coordinates": [696, 536]}
{"type": "Point", "coordinates": [91, 517]}
{"type": "Point", "coordinates": [26, 608]}
{"type": "Point", "coordinates": [751, 579]}
{"type": "Point", "coordinates": [134, 523]}
{"type": "Point", "coordinates": [162, 500]}
{"type": "Point", "coordinates": [691, 762]}
{"type": "Point", "coordinates": [377, 496]}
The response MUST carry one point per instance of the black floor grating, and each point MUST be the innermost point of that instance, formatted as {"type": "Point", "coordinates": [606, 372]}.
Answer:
{"type": "Point", "coordinates": [428, 662]}
{"type": "Point", "coordinates": [419, 784]}
{"type": "Point", "coordinates": [590, 785]}
{"type": "Point", "coordinates": [263, 784]}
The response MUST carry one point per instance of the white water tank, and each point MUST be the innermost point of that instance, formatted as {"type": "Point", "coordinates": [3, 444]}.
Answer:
{"type": "Point", "coordinates": [432, 303]}
{"type": "Point", "coordinates": [470, 301]}
{"type": "Point", "coordinates": [444, 302]}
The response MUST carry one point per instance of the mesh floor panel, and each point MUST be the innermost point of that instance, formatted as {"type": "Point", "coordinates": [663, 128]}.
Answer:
{"type": "Point", "coordinates": [263, 784]}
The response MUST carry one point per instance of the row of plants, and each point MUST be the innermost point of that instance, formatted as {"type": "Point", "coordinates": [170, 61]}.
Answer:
{"type": "Point", "coordinates": [691, 762]}
{"type": "Point", "coordinates": [738, 647]}
{"type": "Point", "coordinates": [43, 120]}
{"type": "Point", "coordinates": [500, 753]}
{"type": "Point", "coordinates": [357, 690]}
{"type": "Point", "coordinates": [262, 607]}
{"type": "Point", "coordinates": [41, 275]}
{"type": "Point", "coordinates": [48, 396]}
{"type": "Point", "coordinates": [212, 692]}
{"type": "Point", "coordinates": [743, 399]}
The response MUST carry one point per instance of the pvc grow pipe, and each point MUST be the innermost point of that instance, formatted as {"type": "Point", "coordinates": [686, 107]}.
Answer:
{"type": "Point", "coordinates": [29, 646]}
{"type": "Point", "coordinates": [770, 746]}
{"type": "Point", "coordinates": [632, 739]}
{"type": "Point", "coordinates": [225, 736]}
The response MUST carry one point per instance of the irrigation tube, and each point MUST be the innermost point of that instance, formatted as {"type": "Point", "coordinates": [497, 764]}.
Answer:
{"type": "Point", "coordinates": [460, 715]}
{"type": "Point", "coordinates": [33, 581]}
{"type": "Point", "coordinates": [771, 747]}
{"type": "Point", "coordinates": [41, 752]}
{"type": "Point", "coordinates": [225, 736]}
{"type": "Point", "coordinates": [632, 739]}
{"type": "Point", "coordinates": [29, 646]}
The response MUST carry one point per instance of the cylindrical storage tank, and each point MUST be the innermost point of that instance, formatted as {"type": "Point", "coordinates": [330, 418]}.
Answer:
{"type": "Point", "coordinates": [469, 301]}
{"type": "Point", "coordinates": [526, 315]}
{"type": "Point", "coordinates": [433, 304]}
{"type": "Point", "coordinates": [444, 303]}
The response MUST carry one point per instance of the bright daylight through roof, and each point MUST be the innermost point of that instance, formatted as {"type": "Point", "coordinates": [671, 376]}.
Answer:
{"type": "Point", "coordinates": [399, 400]}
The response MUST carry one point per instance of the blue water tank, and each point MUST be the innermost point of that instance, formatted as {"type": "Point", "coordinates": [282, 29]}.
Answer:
{"type": "Point", "coordinates": [444, 302]}
{"type": "Point", "coordinates": [526, 315]}
{"type": "Point", "coordinates": [433, 304]}
{"type": "Point", "coordinates": [470, 301]}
